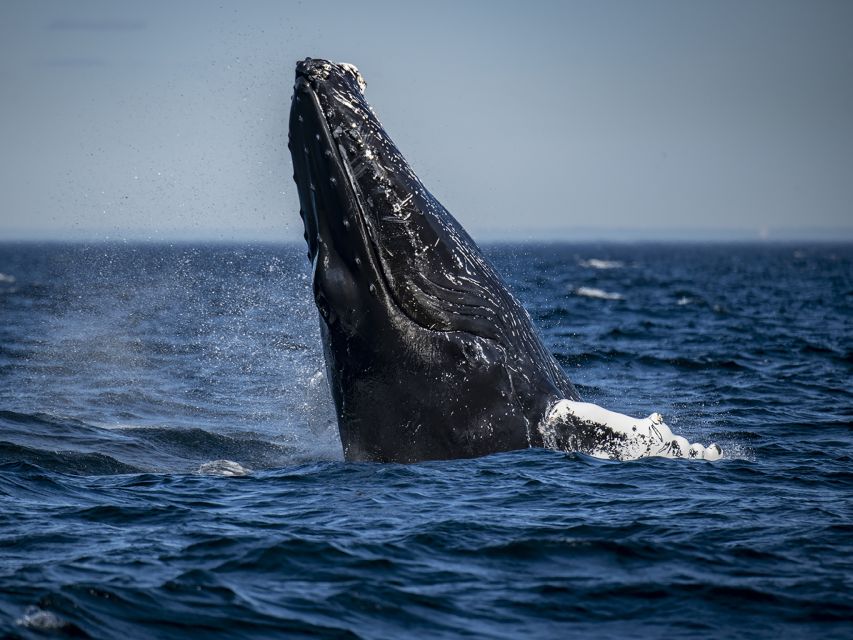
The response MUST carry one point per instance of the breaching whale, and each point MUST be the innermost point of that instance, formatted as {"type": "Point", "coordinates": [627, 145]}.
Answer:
{"type": "Point", "coordinates": [428, 354]}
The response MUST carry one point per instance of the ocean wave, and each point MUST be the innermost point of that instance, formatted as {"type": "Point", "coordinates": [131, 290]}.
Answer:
{"type": "Point", "coordinates": [71, 462]}
{"type": "Point", "coordinates": [193, 443]}
{"type": "Point", "coordinates": [326, 548]}
{"type": "Point", "coordinates": [69, 445]}
{"type": "Point", "coordinates": [709, 361]}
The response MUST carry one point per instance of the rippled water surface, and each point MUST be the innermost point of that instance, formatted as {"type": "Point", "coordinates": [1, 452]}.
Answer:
{"type": "Point", "coordinates": [129, 374]}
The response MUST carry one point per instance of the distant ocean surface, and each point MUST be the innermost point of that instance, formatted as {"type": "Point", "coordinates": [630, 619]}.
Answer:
{"type": "Point", "coordinates": [129, 373]}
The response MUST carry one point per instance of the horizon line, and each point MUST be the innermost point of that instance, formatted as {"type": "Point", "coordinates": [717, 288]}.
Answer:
{"type": "Point", "coordinates": [564, 235]}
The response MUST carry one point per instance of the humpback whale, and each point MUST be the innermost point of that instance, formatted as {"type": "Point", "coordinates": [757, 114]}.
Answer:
{"type": "Point", "coordinates": [428, 354]}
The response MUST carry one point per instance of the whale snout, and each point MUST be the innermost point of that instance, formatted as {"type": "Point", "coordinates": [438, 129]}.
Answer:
{"type": "Point", "coordinates": [318, 70]}
{"type": "Point", "coordinates": [312, 69]}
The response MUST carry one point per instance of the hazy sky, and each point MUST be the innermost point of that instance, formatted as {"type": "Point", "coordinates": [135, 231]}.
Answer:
{"type": "Point", "coordinates": [526, 119]}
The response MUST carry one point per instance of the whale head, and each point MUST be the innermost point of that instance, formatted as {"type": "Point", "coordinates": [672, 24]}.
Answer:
{"type": "Point", "coordinates": [406, 297]}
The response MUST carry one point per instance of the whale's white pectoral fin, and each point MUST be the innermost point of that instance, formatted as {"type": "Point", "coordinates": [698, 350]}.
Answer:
{"type": "Point", "coordinates": [607, 434]}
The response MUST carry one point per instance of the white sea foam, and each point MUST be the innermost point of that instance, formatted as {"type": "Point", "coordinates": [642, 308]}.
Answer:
{"type": "Point", "coordinates": [598, 263]}
{"type": "Point", "coordinates": [683, 300]}
{"type": "Point", "coordinates": [354, 71]}
{"type": "Point", "coordinates": [36, 618]}
{"type": "Point", "coordinates": [6, 278]}
{"type": "Point", "coordinates": [592, 292]}
{"type": "Point", "coordinates": [227, 468]}
{"type": "Point", "coordinates": [635, 437]}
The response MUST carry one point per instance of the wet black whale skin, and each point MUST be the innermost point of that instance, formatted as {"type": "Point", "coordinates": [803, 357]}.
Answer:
{"type": "Point", "coordinates": [428, 355]}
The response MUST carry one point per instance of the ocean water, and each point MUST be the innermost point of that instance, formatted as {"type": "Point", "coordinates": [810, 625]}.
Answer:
{"type": "Point", "coordinates": [129, 373]}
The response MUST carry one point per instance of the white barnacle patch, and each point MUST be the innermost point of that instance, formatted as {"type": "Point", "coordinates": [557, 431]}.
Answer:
{"type": "Point", "coordinates": [351, 68]}
{"type": "Point", "coordinates": [621, 437]}
{"type": "Point", "coordinates": [322, 71]}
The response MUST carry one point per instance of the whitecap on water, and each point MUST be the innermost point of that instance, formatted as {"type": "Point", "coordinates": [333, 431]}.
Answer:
{"type": "Point", "coordinates": [227, 468]}
{"type": "Point", "coordinates": [592, 292]}
{"type": "Point", "coordinates": [35, 618]}
{"type": "Point", "coordinates": [598, 263]}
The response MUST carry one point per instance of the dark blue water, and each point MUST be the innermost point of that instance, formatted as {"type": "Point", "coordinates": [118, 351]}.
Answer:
{"type": "Point", "coordinates": [125, 370]}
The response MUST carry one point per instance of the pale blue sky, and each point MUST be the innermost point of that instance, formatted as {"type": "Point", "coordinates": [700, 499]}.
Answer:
{"type": "Point", "coordinates": [565, 120]}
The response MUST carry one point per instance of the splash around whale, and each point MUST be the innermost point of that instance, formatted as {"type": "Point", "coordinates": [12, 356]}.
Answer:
{"type": "Point", "coordinates": [428, 354]}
